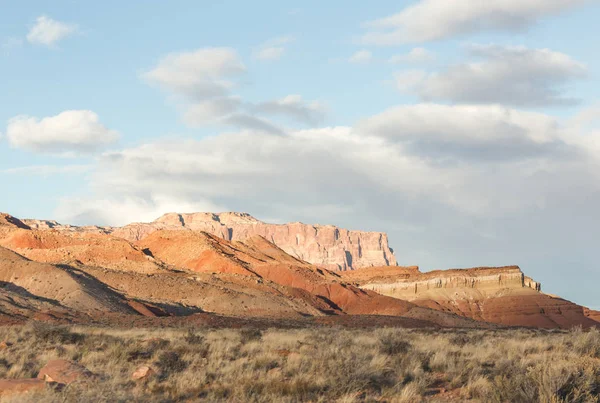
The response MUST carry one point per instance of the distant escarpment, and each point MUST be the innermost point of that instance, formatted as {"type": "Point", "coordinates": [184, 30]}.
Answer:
{"type": "Point", "coordinates": [326, 246]}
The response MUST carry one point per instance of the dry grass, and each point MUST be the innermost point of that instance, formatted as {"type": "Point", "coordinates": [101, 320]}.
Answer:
{"type": "Point", "coordinates": [316, 364]}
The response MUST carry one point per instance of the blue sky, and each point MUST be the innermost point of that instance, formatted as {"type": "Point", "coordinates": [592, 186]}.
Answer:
{"type": "Point", "coordinates": [472, 137]}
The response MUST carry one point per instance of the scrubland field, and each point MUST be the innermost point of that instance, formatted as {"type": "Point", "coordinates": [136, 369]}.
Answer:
{"type": "Point", "coordinates": [320, 364]}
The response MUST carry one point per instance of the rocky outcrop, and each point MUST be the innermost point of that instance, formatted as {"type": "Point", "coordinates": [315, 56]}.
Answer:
{"type": "Point", "coordinates": [501, 295]}
{"type": "Point", "coordinates": [485, 280]}
{"type": "Point", "coordinates": [324, 245]}
{"type": "Point", "coordinates": [64, 372]}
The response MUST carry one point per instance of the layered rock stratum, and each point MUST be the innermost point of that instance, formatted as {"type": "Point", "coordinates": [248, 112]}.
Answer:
{"type": "Point", "coordinates": [503, 295]}
{"type": "Point", "coordinates": [327, 246]}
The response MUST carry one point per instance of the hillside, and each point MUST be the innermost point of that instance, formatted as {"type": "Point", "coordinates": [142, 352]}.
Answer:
{"type": "Point", "coordinates": [165, 270]}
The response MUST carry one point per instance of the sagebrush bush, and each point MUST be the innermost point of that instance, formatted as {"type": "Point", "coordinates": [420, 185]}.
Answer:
{"type": "Point", "coordinates": [170, 362]}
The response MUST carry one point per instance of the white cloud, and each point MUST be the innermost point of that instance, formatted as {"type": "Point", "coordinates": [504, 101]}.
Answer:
{"type": "Point", "coordinates": [197, 75]}
{"type": "Point", "coordinates": [250, 169]}
{"type": "Point", "coordinates": [361, 57]}
{"type": "Point", "coordinates": [439, 154]}
{"type": "Point", "coordinates": [48, 32]}
{"type": "Point", "coordinates": [201, 113]}
{"type": "Point", "coordinates": [68, 133]}
{"type": "Point", "coordinates": [430, 20]}
{"type": "Point", "coordinates": [467, 132]}
{"type": "Point", "coordinates": [509, 75]}
{"type": "Point", "coordinates": [272, 49]}
{"type": "Point", "coordinates": [415, 56]}
{"type": "Point", "coordinates": [293, 106]}
{"type": "Point", "coordinates": [47, 170]}
{"type": "Point", "coordinates": [202, 84]}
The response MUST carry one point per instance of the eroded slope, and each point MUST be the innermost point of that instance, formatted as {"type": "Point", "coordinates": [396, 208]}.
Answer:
{"type": "Point", "coordinates": [501, 295]}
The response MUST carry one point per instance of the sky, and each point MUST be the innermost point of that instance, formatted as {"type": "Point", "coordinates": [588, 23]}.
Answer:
{"type": "Point", "coordinates": [468, 131]}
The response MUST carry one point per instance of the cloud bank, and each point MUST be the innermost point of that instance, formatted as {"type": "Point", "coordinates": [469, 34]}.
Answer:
{"type": "Point", "coordinates": [430, 20]}
{"type": "Point", "coordinates": [510, 75]}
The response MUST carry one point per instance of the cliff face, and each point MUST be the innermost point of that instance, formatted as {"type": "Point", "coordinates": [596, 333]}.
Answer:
{"type": "Point", "coordinates": [414, 284]}
{"type": "Point", "coordinates": [501, 295]}
{"type": "Point", "coordinates": [323, 245]}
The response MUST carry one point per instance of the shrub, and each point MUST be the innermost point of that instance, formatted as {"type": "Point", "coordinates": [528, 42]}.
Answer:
{"type": "Point", "coordinates": [170, 362]}
{"type": "Point", "coordinates": [138, 354]}
{"type": "Point", "coordinates": [250, 334]}
{"type": "Point", "coordinates": [55, 334]}
{"type": "Point", "coordinates": [193, 338]}
{"type": "Point", "coordinates": [391, 345]}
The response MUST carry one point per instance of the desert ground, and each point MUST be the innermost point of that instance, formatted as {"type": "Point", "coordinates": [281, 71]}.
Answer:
{"type": "Point", "coordinates": [316, 364]}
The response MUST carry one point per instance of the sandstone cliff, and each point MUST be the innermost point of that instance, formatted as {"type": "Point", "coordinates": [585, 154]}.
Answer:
{"type": "Point", "coordinates": [409, 283]}
{"type": "Point", "coordinates": [323, 245]}
{"type": "Point", "coordinates": [501, 295]}
{"type": "Point", "coordinates": [327, 246]}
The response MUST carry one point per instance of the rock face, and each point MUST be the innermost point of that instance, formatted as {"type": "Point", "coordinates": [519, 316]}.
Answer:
{"type": "Point", "coordinates": [412, 283]}
{"type": "Point", "coordinates": [501, 295]}
{"type": "Point", "coordinates": [327, 246]}
{"type": "Point", "coordinates": [323, 245]}
{"type": "Point", "coordinates": [64, 372]}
